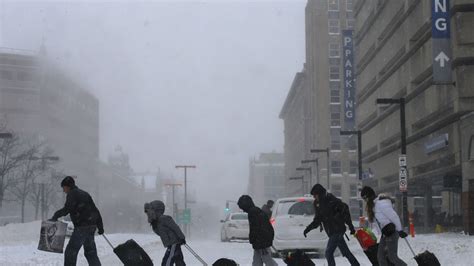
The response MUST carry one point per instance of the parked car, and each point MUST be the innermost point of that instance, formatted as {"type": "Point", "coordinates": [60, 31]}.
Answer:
{"type": "Point", "coordinates": [235, 226]}
{"type": "Point", "coordinates": [289, 219]}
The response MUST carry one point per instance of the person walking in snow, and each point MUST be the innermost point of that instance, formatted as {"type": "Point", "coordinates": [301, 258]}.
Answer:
{"type": "Point", "coordinates": [381, 213]}
{"type": "Point", "coordinates": [171, 235]}
{"type": "Point", "coordinates": [86, 219]}
{"type": "Point", "coordinates": [261, 232]}
{"type": "Point", "coordinates": [267, 208]}
{"type": "Point", "coordinates": [333, 214]}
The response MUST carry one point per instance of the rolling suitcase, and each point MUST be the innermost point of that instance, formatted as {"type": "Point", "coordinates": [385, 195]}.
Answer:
{"type": "Point", "coordinates": [52, 236]}
{"type": "Point", "coordinates": [424, 259]}
{"type": "Point", "coordinates": [131, 254]}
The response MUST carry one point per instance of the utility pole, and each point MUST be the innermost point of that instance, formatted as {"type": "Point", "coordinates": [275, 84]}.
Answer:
{"type": "Point", "coordinates": [359, 146]}
{"type": "Point", "coordinates": [185, 167]}
{"type": "Point", "coordinates": [327, 151]}
{"type": "Point", "coordinates": [403, 173]}
{"type": "Point", "coordinates": [316, 161]}
{"type": "Point", "coordinates": [173, 186]}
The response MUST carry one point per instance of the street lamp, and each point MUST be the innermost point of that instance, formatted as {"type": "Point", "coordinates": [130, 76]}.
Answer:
{"type": "Point", "coordinates": [302, 182]}
{"type": "Point", "coordinates": [359, 146]}
{"type": "Point", "coordinates": [316, 161]}
{"type": "Point", "coordinates": [327, 151]}
{"type": "Point", "coordinates": [185, 167]}
{"type": "Point", "coordinates": [401, 103]}
{"type": "Point", "coordinates": [306, 169]}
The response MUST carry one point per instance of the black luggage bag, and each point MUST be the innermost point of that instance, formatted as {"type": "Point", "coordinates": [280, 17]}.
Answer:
{"type": "Point", "coordinates": [371, 254]}
{"type": "Point", "coordinates": [131, 254]}
{"type": "Point", "coordinates": [298, 258]}
{"type": "Point", "coordinates": [424, 259]}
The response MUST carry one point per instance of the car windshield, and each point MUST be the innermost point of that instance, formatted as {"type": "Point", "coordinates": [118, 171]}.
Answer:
{"type": "Point", "coordinates": [295, 208]}
{"type": "Point", "coordinates": [240, 216]}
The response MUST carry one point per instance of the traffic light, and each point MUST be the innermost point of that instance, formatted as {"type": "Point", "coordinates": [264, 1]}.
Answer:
{"type": "Point", "coordinates": [227, 206]}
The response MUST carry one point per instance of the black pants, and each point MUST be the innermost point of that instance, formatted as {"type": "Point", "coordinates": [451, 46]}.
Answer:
{"type": "Point", "coordinates": [173, 256]}
{"type": "Point", "coordinates": [82, 236]}
{"type": "Point", "coordinates": [337, 240]}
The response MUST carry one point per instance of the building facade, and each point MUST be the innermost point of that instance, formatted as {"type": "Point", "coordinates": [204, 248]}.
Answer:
{"type": "Point", "coordinates": [314, 114]}
{"type": "Point", "coordinates": [394, 59]}
{"type": "Point", "coordinates": [267, 177]}
{"type": "Point", "coordinates": [37, 100]}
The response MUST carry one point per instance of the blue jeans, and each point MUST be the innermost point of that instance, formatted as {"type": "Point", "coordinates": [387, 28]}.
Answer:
{"type": "Point", "coordinates": [82, 236]}
{"type": "Point", "coordinates": [337, 240]}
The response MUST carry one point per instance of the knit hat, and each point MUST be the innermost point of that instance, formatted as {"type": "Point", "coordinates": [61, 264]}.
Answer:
{"type": "Point", "coordinates": [318, 190]}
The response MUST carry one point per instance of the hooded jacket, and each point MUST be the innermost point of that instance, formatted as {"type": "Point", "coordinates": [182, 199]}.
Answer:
{"type": "Point", "coordinates": [261, 231]}
{"type": "Point", "coordinates": [332, 213]}
{"type": "Point", "coordinates": [80, 206]}
{"type": "Point", "coordinates": [163, 225]}
{"type": "Point", "coordinates": [385, 214]}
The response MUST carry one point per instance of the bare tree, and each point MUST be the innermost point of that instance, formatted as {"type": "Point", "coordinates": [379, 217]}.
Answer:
{"type": "Point", "coordinates": [26, 173]}
{"type": "Point", "coordinates": [12, 155]}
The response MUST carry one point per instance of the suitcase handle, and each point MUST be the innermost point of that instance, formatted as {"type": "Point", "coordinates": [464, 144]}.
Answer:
{"type": "Point", "coordinates": [409, 246]}
{"type": "Point", "coordinates": [195, 255]}
{"type": "Point", "coordinates": [106, 239]}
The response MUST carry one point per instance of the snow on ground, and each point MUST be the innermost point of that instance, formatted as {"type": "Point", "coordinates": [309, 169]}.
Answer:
{"type": "Point", "coordinates": [18, 246]}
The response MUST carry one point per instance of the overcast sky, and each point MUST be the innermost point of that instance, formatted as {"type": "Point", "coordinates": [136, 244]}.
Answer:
{"type": "Point", "coordinates": [195, 82]}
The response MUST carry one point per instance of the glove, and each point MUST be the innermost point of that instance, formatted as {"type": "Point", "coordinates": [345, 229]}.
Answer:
{"type": "Point", "coordinates": [353, 231]}
{"type": "Point", "coordinates": [402, 234]}
{"type": "Point", "coordinates": [306, 231]}
{"type": "Point", "coordinates": [100, 231]}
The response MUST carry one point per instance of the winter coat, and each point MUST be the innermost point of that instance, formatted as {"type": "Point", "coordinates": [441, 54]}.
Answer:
{"type": "Point", "coordinates": [333, 214]}
{"type": "Point", "coordinates": [267, 210]}
{"type": "Point", "coordinates": [261, 231]}
{"type": "Point", "coordinates": [80, 206]}
{"type": "Point", "coordinates": [168, 230]}
{"type": "Point", "coordinates": [385, 214]}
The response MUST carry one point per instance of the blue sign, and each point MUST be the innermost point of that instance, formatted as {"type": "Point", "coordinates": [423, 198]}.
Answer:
{"type": "Point", "coordinates": [441, 42]}
{"type": "Point", "coordinates": [440, 28]}
{"type": "Point", "coordinates": [349, 80]}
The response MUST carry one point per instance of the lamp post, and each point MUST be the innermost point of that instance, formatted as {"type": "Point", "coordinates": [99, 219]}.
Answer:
{"type": "Point", "coordinates": [359, 146]}
{"type": "Point", "coordinates": [302, 182]}
{"type": "Point", "coordinates": [306, 169]}
{"type": "Point", "coordinates": [403, 189]}
{"type": "Point", "coordinates": [316, 161]}
{"type": "Point", "coordinates": [185, 167]}
{"type": "Point", "coordinates": [327, 151]}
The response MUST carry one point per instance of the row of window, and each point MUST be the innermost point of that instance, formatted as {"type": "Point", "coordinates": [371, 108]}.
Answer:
{"type": "Point", "coordinates": [20, 75]}
{"type": "Point", "coordinates": [336, 167]}
{"type": "Point", "coordinates": [336, 190]}
{"type": "Point", "coordinates": [333, 5]}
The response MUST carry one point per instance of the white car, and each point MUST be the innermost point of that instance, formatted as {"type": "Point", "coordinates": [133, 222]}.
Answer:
{"type": "Point", "coordinates": [235, 226]}
{"type": "Point", "coordinates": [289, 219]}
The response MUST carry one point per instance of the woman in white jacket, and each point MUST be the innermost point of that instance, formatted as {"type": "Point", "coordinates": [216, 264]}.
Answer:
{"type": "Point", "coordinates": [380, 212]}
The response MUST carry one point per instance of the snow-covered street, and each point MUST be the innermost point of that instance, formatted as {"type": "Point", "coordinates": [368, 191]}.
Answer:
{"type": "Point", "coordinates": [18, 245]}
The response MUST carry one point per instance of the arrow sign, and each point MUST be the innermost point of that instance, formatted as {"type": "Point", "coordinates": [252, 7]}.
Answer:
{"type": "Point", "coordinates": [442, 58]}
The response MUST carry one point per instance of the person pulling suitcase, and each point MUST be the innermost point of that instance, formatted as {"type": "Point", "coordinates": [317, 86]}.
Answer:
{"type": "Point", "coordinates": [171, 235]}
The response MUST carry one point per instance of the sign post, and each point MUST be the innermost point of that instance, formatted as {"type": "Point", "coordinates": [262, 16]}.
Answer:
{"type": "Point", "coordinates": [441, 42]}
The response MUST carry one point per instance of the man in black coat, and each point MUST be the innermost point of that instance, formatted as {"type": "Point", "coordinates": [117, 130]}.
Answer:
{"type": "Point", "coordinates": [267, 208]}
{"type": "Point", "coordinates": [86, 219]}
{"type": "Point", "coordinates": [261, 232]}
{"type": "Point", "coordinates": [333, 214]}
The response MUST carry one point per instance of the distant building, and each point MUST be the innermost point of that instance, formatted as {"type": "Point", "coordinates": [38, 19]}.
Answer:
{"type": "Point", "coordinates": [38, 100]}
{"type": "Point", "coordinates": [267, 177]}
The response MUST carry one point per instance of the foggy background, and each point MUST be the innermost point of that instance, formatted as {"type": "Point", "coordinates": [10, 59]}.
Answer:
{"type": "Point", "coordinates": [179, 82]}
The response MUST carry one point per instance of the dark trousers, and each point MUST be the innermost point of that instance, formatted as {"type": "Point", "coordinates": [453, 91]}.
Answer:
{"type": "Point", "coordinates": [82, 236]}
{"type": "Point", "coordinates": [337, 241]}
{"type": "Point", "coordinates": [173, 256]}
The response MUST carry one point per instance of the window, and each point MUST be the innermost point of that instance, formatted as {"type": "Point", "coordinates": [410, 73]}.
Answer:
{"type": "Point", "coordinates": [471, 149]}
{"type": "Point", "coordinates": [350, 23]}
{"type": "Point", "coordinates": [354, 191]}
{"type": "Point", "coordinates": [349, 15]}
{"type": "Point", "coordinates": [295, 208]}
{"type": "Point", "coordinates": [353, 167]}
{"type": "Point", "coordinates": [334, 72]}
{"type": "Point", "coordinates": [334, 85]}
{"type": "Point", "coordinates": [334, 50]}
{"type": "Point", "coordinates": [336, 145]}
{"type": "Point", "coordinates": [349, 5]}
{"type": "Point", "coordinates": [333, 5]}
{"type": "Point", "coordinates": [333, 14]}
{"type": "Point", "coordinates": [336, 190]}
{"type": "Point", "coordinates": [333, 26]}
{"type": "Point", "coordinates": [335, 61]}
{"type": "Point", "coordinates": [25, 76]}
{"type": "Point", "coordinates": [336, 122]}
{"type": "Point", "coordinates": [335, 97]}
{"type": "Point", "coordinates": [352, 143]}
{"type": "Point", "coordinates": [7, 75]}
